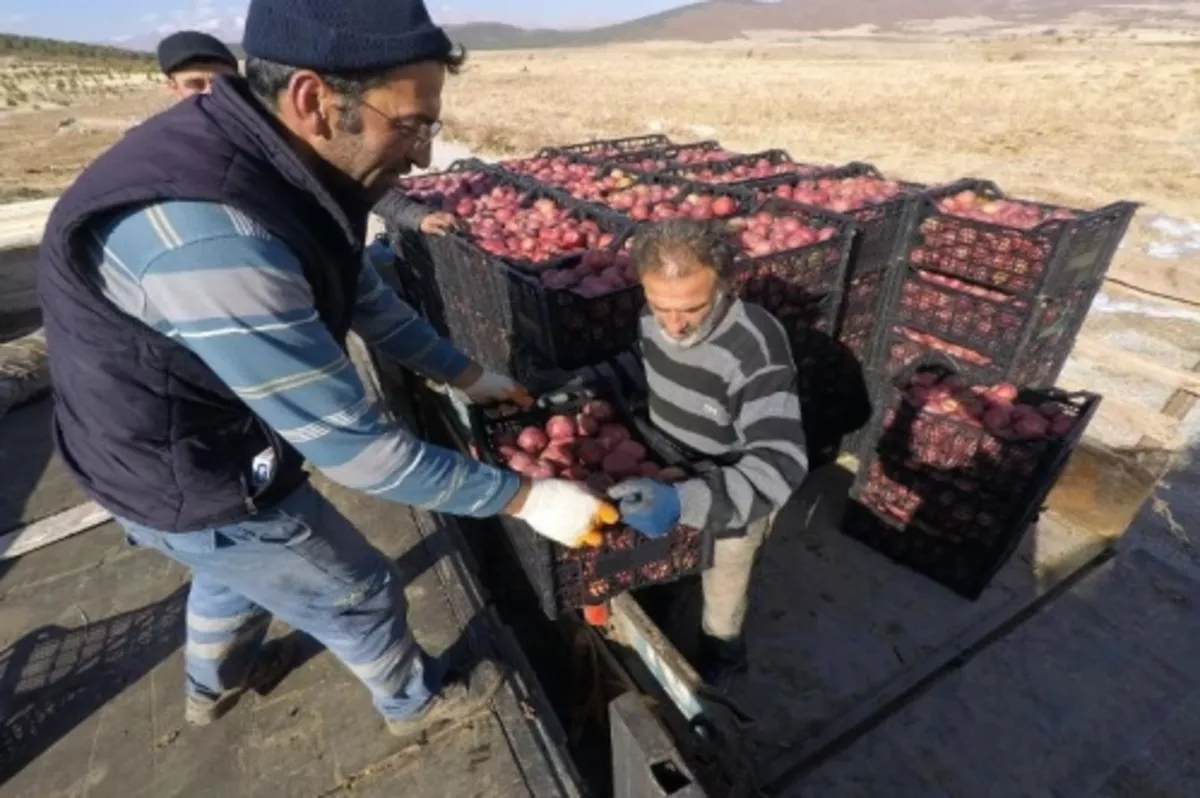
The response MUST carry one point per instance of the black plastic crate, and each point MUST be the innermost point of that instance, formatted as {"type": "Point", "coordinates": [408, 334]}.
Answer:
{"type": "Point", "coordinates": [816, 269]}
{"type": "Point", "coordinates": [613, 228]}
{"type": "Point", "coordinates": [604, 149]}
{"type": "Point", "coordinates": [441, 190]}
{"type": "Point", "coordinates": [1050, 258]}
{"type": "Point", "coordinates": [878, 245]}
{"type": "Point", "coordinates": [655, 159]}
{"type": "Point", "coordinates": [733, 171]}
{"type": "Point", "coordinates": [944, 496]}
{"type": "Point", "coordinates": [882, 226]}
{"type": "Point", "coordinates": [867, 306]}
{"type": "Point", "coordinates": [993, 333]}
{"type": "Point", "coordinates": [569, 330]}
{"type": "Point", "coordinates": [495, 306]}
{"type": "Point", "coordinates": [567, 579]}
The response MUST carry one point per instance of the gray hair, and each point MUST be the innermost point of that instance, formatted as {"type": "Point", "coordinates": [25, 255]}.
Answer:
{"type": "Point", "coordinates": [268, 78]}
{"type": "Point", "coordinates": [676, 248]}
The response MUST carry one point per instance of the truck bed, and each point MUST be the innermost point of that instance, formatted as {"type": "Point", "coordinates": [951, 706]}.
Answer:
{"type": "Point", "coordinates": [91, 672]}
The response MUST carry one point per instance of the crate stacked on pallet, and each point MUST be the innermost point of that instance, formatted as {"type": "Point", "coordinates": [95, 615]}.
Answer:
{"type": "Point", "coordinates": [585, 435]}
{"type": "Point", "coordinates": [880, 209]}
{"type": "Point", "coordinates": [532, 279]}
{"type": "Point", "coordinates": [792, 261]}
{"type": "Point", "coordinates": [960, 472]}
{"type": "Point", "coordinates": [1000, 285]}
{"type": "Point", "coordinates": [743, 168]}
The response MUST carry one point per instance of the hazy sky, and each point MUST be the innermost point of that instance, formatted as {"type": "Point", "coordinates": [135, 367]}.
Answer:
{"type": "Point", "coordinates": [105, 20]}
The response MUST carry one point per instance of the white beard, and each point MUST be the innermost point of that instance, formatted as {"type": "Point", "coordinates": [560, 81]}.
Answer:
{"type": "Point", "coordinates": [703, 329]}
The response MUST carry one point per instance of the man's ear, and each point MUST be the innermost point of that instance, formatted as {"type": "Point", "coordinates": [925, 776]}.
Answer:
{"type": "Point", "coordinates": [308, 101]}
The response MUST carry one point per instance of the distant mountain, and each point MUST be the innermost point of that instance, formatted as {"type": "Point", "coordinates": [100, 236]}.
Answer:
{"type": "Point", "coordinates": [719, 20]}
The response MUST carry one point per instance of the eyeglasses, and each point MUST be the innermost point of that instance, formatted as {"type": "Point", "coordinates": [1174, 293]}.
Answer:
{"type": "Point", "coordinates": [418, 132]}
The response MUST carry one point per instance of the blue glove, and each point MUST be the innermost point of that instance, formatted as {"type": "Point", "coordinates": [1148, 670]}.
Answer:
{"type": "Point", "coordinates": [649, 506]}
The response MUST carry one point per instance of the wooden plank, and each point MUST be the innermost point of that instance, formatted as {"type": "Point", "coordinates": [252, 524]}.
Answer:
{"type": "Point", "coordinates": [1161, 430]}
{"type": "Point", "coordinates": [1141, 365]}
{"type": "Point", "coordinates": [1179, 282]}
{"type": "Point", "coordinates": [39, 534]}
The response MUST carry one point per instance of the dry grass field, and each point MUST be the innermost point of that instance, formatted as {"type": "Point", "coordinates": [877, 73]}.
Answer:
{"type": "Point", "coordinates": [55, 116]}
{"type": "Point", "coordinates": [1075, 119]}
{"type": "Point", "coordinates": [1078, 121]}
{"type": "Point", "coordinates": [1083, 119]}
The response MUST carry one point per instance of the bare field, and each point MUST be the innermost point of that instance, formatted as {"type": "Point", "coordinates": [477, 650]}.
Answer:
{"type": "Point", "coordinates": [1077, 121]}
{"type": "Point", "coordinates": [1081, 119]}
{"type": "Point", "coordinates": [55, 117]}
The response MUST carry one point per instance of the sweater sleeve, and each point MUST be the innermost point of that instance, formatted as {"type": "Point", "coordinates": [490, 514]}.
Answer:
{"type": "Point", "coordinates": [220, 285]}
{"type": "Point", "coordinates": [405, 212]}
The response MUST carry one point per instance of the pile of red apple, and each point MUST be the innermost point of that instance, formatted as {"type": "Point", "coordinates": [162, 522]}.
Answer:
{"type": "Point", "coordinates": [670, 159]}
{"type": "Point", "coordinates": [448, 191]}
{"type": "Point", "coordinates": [995, 408]}
{"type": "Point", "coordinates": [578, 179]}
{"type": "Point", "coordinates": [590, 447]}
{"type": "Point", "coordinates": [599, 272]}
{"type": "Point", "coordinates": [739, 172]}
{"type": "Point", "coordinates": [838, 194]}
{"type": "Point", "coordinates": [657, 202]}
{"type": "Point", "coordinates": [593, 448]}
{"type": "Point", "coordinates": [502, 224]}
{"type": "Point", "coordinates": [1000, 211]}
{"type": "Point", "coordinates": [972, 440]}
{"type": "Point", "coordinates": [765, 233]}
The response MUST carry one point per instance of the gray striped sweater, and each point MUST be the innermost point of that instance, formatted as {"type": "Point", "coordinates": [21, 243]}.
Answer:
{"type": "Point", "coordinates": [732, 393]}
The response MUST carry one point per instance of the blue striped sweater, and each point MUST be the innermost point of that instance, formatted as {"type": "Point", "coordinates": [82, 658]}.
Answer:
{"type": "Point", "coordinates": [218, 282]}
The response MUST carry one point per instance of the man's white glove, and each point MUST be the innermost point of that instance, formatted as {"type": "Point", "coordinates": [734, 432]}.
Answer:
{"type": "Point", "coordinates": [566, 513]}
{"type": "Point", "coordinates": [491, 387]}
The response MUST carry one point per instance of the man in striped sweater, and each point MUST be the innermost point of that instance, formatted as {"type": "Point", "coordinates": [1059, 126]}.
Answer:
{"type": "Point", "coordinates": [722, 382]}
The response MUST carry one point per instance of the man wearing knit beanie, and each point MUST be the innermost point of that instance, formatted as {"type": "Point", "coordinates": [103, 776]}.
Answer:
{"type": "Point", "coordinates": [198, 282]}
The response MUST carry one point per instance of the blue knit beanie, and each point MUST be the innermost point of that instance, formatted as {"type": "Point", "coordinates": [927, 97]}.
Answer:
{"type": "Point", "coordinates": [343, 35]}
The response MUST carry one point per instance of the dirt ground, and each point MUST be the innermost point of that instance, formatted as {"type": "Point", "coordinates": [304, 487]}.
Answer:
{"type": "Point", "coordinates": [1082, 121]}
{"type": "Point", "coordinates": [41, 151]}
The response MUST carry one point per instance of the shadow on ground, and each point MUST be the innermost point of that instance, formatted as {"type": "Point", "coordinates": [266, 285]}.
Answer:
{"type": "Point", "coordinates": [54, 678]}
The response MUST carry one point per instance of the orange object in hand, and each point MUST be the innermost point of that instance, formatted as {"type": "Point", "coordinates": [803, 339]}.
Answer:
{"type": "Point", "coordinates": [605, 516]}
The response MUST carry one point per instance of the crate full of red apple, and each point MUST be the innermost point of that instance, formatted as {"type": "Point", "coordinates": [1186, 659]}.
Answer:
{"type": "Point", "coordinates": [585, 437]}
{"type": "Point", "coordinates": [959, 471]}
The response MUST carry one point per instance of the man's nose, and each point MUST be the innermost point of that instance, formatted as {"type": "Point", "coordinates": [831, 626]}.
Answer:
{"type": "Point", "coordinates": [422, 154]}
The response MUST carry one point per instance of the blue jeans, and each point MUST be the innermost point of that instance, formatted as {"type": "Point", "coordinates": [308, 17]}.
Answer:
{"type": "Point", "coordinates": [304, 563]}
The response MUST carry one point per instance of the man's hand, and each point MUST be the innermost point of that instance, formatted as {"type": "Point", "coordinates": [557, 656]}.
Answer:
{"type": "Point", "coordinates": [477, 386]}
{"type": "Point", "coordinates": [562, 511]}
{"type": "Point", "coordinates": [649, 506]}
{"type": "Point", "coordinates": [438, 223]}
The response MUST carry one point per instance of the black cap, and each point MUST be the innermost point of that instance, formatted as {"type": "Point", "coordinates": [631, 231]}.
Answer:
{"type": "Point", "coordinates": [192, 45]}
{"type": "Point", "coordinates": [343, 35]}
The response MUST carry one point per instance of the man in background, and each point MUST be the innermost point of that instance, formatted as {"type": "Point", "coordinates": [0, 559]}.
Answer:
{"type": "Point", "coordinates": [190, 59]}
{"type": "Point", "coordinates": [722, 383]}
